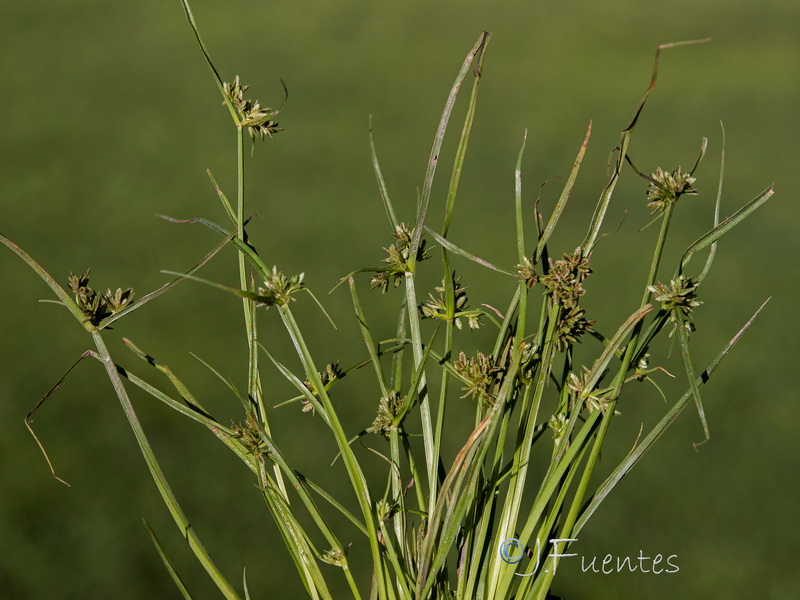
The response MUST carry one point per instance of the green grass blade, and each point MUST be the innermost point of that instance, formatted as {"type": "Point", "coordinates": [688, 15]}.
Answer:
{"type": "Point", "coordinates": [457, 491]}
{"type": "Point", "coordinates": [387, 203]}
{"type": "Point", "coordinates": [477, 49]}
{"type": "Point", "coordinates": [224, 434]}
{"type": "Point", "coordinates": [226, 381]}
{"type": "Point", "coordinates": [158, 475]}
{"type": "Point", "coordinates": [243, 246]}
{"type": "Point", "coordinates": [518, 201]}
{"type": "Point", "coordinates": [225, 288]}
{"type": "Point", "coordinates": [463, 142]}
{"type": "Point", "coordinates": [683, 338]}
{"type": "Point", "coordinates": [182, 390]}
{"type": "Point", "coordinates": [565, 194]}
{"type": "Point", "coordinates": [354, 472]}
{"type": "Point", "coordinates": [176, 579]}
{"type": "Point", "coordinates": [332, 501]}
{"type": "Point", "coordinates": [223, 198]}
{"type": "Point", "coordinates": [60, 293]}
{"type": "Point", "coordinates": [296, 541]}
{"type": "Point", "coordinates": [726, 225]}
{"type": "Point", "coordinates": [613, 346]}
{"type": "Point", "coordinates": [461, 252]}
{"type": "Point", "coordinates": [166, 287]}
{"type": "Point", "coordinates": [217, 78]}
{"type": "Point", "coordinates": [368, 340]}
{"type": "Point", "coordinates": [625, 137]}
{"type": "Point", "coordinates": [713, 250]}
{"type": "Point", "coordinates": [297, 383]}
{"type": "Point", "coordinates": [630, 461]}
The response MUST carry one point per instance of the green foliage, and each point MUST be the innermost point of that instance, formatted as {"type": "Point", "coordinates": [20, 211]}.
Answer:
{"type": "Point", "coordinates": [448, 539]}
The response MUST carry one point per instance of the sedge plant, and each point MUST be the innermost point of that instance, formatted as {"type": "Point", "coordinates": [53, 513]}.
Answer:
{"type": "Point", "coordinates": [486, 524]}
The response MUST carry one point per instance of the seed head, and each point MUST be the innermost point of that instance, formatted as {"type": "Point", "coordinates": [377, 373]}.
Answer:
{"type": "Point", "coordinates": [399, 254]}
{"type": "Point", "coordinates": [564, 279]}
{"type": "Point", "coordinates": [436, 307]}
{"type": "Point", "coordinates": [258, 120]}
{"type": "Point", "coordinates": [665, 188]}
{"type": "Point", "coordinates": [279, 289]}
{"type": "Point", "coordinates": [388, 409]}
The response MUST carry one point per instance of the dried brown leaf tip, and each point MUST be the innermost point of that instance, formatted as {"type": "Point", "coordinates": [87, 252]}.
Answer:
{"type": "Point", "coordinates": [666, 187]}
{"type": "Point", "coordinates": [398, 255]}
{"type": "Point", "coordinates": [256, 118]}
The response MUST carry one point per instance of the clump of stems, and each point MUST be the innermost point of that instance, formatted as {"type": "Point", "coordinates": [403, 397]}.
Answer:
{"type": "Point", "coordinates": [432, 529]}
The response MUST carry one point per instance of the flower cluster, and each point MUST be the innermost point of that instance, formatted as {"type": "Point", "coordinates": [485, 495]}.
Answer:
{"type": "Point", "coordinates": [436, 307]}
{"type": "Point", "coordinates": [388, 409]}
{"type": "Point", "coordinates": [331, 373]}
{"type": "Point", "coordinates": [480, 375]}
{"type": "Point", "coordinates": [249, 435]}
{"type": "Point", "coordinates": [94, 306]}
{"type": "Point", "coordinates": [258, 120]}
{"type": "Point", "coordinates": [665, 188]}
{"type": "Point", "coordinates": [527, 272]}
{"type": "Point", "coordinates": [595, 399]}
{"type": "Point", "coordinates": [398, 256]}
{"type": "Point", "coordinates": [680, 295]}
{"type": "Point", "coordinates": [564, 278]}
{"type": "Point", "coordinates": [571, 326]}
{"type": "Point", "coordinates": [279, 289]}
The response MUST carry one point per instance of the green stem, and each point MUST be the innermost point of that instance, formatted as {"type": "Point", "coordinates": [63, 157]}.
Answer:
{"type": "Point", "coordinates": [158, 475]}
{"type": "Point", "coordinates": [424, 405]}
{"type": "Point", "coordinates": [354, 471]}
{"type": "Point", "coordinates": [608, 414]}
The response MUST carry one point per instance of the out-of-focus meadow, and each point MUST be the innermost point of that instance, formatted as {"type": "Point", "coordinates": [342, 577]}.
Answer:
{"type": "Point", "coordinates": [108, 115]}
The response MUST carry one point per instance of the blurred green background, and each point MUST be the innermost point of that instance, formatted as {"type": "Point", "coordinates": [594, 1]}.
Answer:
{"type": "Point", "coordinates": [108, 115]}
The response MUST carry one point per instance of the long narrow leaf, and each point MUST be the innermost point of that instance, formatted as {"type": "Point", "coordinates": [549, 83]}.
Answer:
{"type": "Point", "coordinates": [168, 564]}
{"type": "Point", "coordinates": [713, 250]}
{"type": "Point", "coordinates": [630, 461]}
{"type": "Point", "coordinates": [461, 252]}
{"type": "Point", "coordinates": [62, 295]}
{"type": "Point", "coordinates": [625, 137]}
{"type": "Point", "coordinates": [166, 287]}
{"type": "Point", "coordinates": [387, 203]}
{"type": "Point", "coordinates": [726, 225]}
{"type": "Point", "coordinates": [565, 194]}
{"type": "Point", "coordinates": [439, 138]}
{"type": "Point", "coordinates": [158, 475]}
